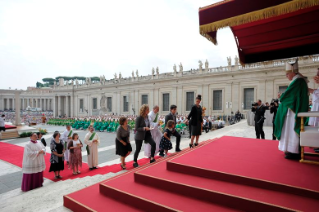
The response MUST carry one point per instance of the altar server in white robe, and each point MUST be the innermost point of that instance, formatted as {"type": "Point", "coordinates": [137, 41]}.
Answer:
{"type": "Point", "coordinates": [92, 140]}
{"type": "Point", "coordinates": [154, 119]}
{"type": "Point", "coordinates": [67, 137]}
{"type": "Point", "coordinates": [314, 121]}
{"type": "Point", "coordinates": [33, 164]}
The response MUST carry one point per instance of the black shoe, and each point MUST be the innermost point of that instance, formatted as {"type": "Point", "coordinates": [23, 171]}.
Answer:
{"type": "Point", "coordinates": [91, 169]}
{"type": "Point", "coordinates": [94, 167]}
{"type": "Point", "coordinates": [152, 161]}
{"type": "Point", "coordinates": [135, 164]}
{"type": "Point", "coordinates": [196, 144]}
{"type": "Point", "coordinates": [178, 150]}
{"type": "Point", "coordinates": [162, 155]}
{"type": "Point", "coordinates": [292, 156]}
{"type": "Point", "coordinates": [191, 146]}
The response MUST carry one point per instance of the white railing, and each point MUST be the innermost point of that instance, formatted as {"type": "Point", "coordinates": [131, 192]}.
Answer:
{"type": "Point", "coordinates": [266, 64]}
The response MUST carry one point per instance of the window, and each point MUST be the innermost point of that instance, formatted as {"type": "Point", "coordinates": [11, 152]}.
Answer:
{"type": "Point", "coordinates": [166, 102]}
{"type": "Point", "coordinates": [217, 100]}
{"type": "Point", "coordinates": [144, 99]}
{"type": "Point", "coordinates": [109, 104]}
{"type": "Point", "coordinates": [94, 103]}
{"type": "Point", "coordinates": [189, 100]}
{"type": "Point", "coordinates": [81, 105]}
{"type": "Point", "coordinates": [282, 89]}
{"type": "Point", "coordinates": [248, 98]}
{"type": "Point", "coordinates": [125, 104]}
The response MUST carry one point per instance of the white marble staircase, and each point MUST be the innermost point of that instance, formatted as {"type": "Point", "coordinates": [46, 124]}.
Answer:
{"type": "Point", "coordinates": [49, 197]}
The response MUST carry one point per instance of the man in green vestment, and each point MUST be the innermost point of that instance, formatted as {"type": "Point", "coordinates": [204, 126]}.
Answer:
{"type": "Point", "coordinates": [293, 101]}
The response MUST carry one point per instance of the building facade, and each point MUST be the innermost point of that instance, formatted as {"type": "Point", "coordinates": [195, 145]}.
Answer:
{"type": "Point", "coordinates": [223, 89]}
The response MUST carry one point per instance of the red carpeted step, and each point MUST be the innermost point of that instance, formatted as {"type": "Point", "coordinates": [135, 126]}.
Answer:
{"type": "Point", "coordinates": [90, 199]}
{"type": "Point", "coordinates": [239, 196]}
{"type": "Point", "coordinates": [250, 162]}
{"type": "Point", "coordinates": [149, 198]}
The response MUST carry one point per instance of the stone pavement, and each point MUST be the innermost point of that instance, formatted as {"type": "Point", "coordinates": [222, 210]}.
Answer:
{"type": "Point", "coordinates": [11, 176]}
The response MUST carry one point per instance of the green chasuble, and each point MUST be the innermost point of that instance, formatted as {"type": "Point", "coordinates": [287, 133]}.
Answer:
{"type": "Point", "coordinates": [295, 98]}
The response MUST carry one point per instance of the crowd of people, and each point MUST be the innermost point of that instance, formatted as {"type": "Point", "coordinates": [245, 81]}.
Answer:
{"type": "Point", "coordinates": [27, 118]}
{"type": "Point", "coordinates": [147, 128]}
{"type": "Point", "coordinates": [67, 146]}
{"type": "Point", "coordinates": [286, 123]}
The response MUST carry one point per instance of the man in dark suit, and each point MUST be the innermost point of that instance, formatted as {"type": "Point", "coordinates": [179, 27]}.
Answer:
{"type": "Point", "coordinates": [172, 116]}
{"type": "Point", "coordinates": [259, 111]}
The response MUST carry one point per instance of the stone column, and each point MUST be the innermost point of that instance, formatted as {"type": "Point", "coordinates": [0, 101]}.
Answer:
{"type": "Point", "coordinates": [23, 104]}
{"type": "Point", "coordinates": [13, 105]}
{"type": "Point", "coordinates": [228, 98]}
{"type": "Point", "coordinates": [89, 105]}
{"type": "Point", "coordinates": [118, 103]}
{"type": "Point", "coordinates": [205, 97]}
{"type": "Point", "coordinates": [41, 104]}
{"type": "Point", "coordinates": [236, 103]}
{"type": "Point", "coordinates": [59, 106]}
{"type": "Point", "coordinates": [151, 99]}
{"type": "Point", "coordinates": [181, 107]}
{"type": "Point", "coordinates": [67, 106]}
{"type": "Point", "coordinates": [17, 109]}
{"type": "Point", "coordinates": [2, 104]}
{"type": "Point", "coordinates": [261, 92]}
{"type": "Point", "coordinates": [72, 106]}
{"type": "Point", "coordinates": [54, 106]}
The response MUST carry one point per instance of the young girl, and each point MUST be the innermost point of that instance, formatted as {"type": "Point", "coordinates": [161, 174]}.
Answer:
{"type": "Point", "coordinates": [75, 159]}
{"type": "Point", "coordinates": [166, 143]}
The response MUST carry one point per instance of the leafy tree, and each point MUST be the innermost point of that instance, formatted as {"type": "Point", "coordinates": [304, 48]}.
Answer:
{"type": "Point", "coordinates": [49, 81]}
{"type": "Point", "coordinates": [95, 79]}
{"type": "Point", "coordinates": [39, 85]}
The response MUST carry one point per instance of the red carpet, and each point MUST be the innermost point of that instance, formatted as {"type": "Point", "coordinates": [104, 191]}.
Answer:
{"type": "Point", "coordinates": [228, 174]}
{"type": "Point", "coordinates": [14, 154]}
{"type": "Point", "coordinates": [251, 158]}
{"type": "Point", "coordinates": [8, 127]}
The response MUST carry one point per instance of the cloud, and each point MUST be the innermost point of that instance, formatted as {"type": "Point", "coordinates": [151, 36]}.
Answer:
{"type": "Point", "coordinates": [41, 39]}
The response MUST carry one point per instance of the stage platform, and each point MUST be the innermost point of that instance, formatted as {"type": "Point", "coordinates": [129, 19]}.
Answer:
{"type": "Point", "coordinates": [9, 126]}
{"type": "Point", "coordinates": [226, 174]}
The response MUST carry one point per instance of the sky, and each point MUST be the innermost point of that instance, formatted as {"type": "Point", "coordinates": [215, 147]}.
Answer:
{"type": "Point", "coordinates": [40, 39]}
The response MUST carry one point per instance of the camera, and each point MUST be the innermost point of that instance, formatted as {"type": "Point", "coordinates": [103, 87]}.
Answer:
{"type": "Point", "coordinates": [254, 104]}
{"type": "Point", "coordinates": [273, 101]}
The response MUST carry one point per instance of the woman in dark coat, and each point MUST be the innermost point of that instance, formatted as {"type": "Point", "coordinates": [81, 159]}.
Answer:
{"type": "Point", "coordinates": [196, 121]}
{"type": "Point", "coordinates": [143, 132]}
{"type": "Point", "coordinates": [122, 141]}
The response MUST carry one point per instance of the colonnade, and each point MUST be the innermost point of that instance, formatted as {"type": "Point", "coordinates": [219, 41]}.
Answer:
{"type": "Point", "coordinates": [44, 103]}
{"type": "Point", "coordinates": [63, 106]}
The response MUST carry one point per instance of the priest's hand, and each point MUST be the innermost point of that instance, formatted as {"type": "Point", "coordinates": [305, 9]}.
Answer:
{"type": "Point", "coordinates": [310, 90]}
{"type": "Point", "coordinates": [41, 152]}
{"type": "Point", "coordinates": [147, 128]}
